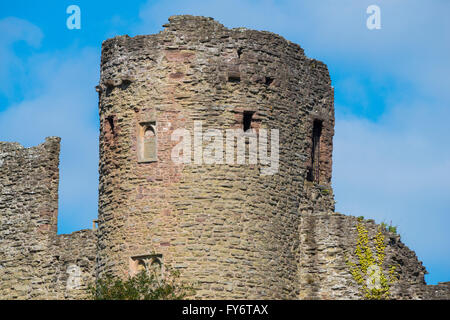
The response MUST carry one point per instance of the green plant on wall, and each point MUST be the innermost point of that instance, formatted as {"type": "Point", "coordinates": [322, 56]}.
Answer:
{"type": "Point", "coordinates": [145, 285]}
{"type": "Point", "coordinates": [367, 266]}
{"type": "Point", "coordinates": [390, 227]}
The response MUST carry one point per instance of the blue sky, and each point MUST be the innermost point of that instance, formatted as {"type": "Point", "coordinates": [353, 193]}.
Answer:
{"type": "Point", "coordinates": [392, 97]}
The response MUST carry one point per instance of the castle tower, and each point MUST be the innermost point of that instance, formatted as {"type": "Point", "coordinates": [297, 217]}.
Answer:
{"type": "Point", "coordinates": [231, 227]}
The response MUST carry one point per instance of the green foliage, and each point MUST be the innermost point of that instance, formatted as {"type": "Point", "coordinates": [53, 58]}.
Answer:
{"type": "Point", "coordinates": [389, 227]}
{"type": "Point", "coordinates": [392, 229]}
{"type": "Point", "coordinates": [368, 271]}
{"type": "Point", "coordinates": [143, 286]}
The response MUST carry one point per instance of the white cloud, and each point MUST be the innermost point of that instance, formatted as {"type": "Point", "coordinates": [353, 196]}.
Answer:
{"type": "Point", "coordinates": [15, 29]}
{"type": "Point", "coordinates": [12, 72]}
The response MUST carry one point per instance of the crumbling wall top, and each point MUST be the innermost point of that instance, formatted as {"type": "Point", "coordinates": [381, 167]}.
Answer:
{"type": "Point", "coordinates": [10, 147]}
{"type": "Point", "coordinates": [205, 28]}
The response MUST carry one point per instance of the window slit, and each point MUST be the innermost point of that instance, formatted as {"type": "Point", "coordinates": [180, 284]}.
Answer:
{"type": "Point", "coordinates": [314, 170]}
{"type": "Point", "coordinates": [111, 124]}
{"type": "Point", "coordinates": [247, 120]}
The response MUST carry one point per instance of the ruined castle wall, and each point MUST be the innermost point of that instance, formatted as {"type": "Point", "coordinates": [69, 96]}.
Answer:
{"type": "Point", "coordinates": [28, 206]}
{"type": "Point", "coordinates": [227, 227]}
{"type": "Point", "coordinates": [441, 291]}
{"type": "Point", "coordinates": [74, 264]}
{"type": "Point", "coordinates": [29, 246]}
{"type": "Point", "coordinates": [327, 241]}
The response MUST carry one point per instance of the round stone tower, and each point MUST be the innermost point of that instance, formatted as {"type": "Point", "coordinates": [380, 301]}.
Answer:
{"type": "Point", "coordinates": [229, 224]}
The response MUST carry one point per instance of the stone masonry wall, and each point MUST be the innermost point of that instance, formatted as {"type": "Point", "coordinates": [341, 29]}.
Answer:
{"type": "Point", "coordinates": [326, 241]}
{"type": "Point", "coordinates": [74, 263]}
{"type": "Point", "coordinates": [33, 258]}
{"type": "Point", "coordinates": [28, 206]}
{"type": "Point", "coordinates": [441, 291]}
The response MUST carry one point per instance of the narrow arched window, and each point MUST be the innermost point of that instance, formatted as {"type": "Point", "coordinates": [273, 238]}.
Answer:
{"type": "Point", "coordinates": [147, 139]}
{"type": "Point", "coordinates": [149, 142]}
